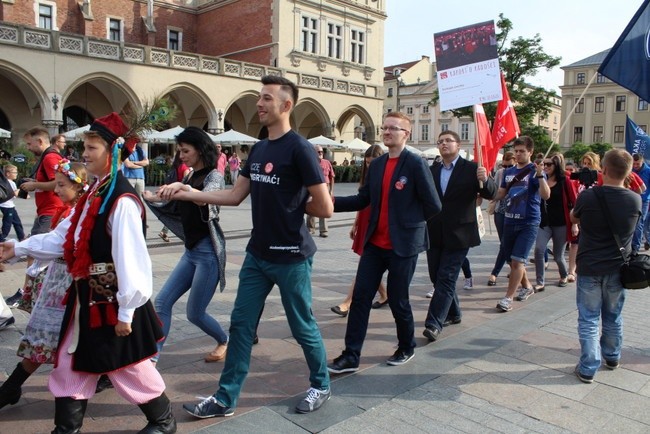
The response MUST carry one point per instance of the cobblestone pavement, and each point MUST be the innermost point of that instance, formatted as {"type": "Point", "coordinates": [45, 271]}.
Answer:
{"type": "Point", "coordinates": [494, 372]}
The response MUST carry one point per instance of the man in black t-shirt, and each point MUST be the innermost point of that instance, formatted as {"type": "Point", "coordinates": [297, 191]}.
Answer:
{"type": "Point", "coordinates": [281, 175]}
{"type": "Point", "coordinates": [599, 289]}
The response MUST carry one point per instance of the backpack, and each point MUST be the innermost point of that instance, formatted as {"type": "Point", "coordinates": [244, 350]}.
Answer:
{"type": "Point", "coordinates": [170, 176]}
{"type": "Point", "coordinates": [6, 192]}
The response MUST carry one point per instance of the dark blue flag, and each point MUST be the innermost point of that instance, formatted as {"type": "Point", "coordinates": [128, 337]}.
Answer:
{"type": "Point", "coordinates": [637, 141]}
{"type": "Point", "coordinates": [628, 62]}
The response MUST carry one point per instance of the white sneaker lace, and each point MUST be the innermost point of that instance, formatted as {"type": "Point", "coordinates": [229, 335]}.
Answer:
{"type": "Point", "coordinates": [312, 395]}
{"type": "Point", "coordinates": [201, 405]}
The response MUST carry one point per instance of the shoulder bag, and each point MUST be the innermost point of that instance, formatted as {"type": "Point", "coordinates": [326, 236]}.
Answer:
{"type": "Point", "coordinates": [635, 270]}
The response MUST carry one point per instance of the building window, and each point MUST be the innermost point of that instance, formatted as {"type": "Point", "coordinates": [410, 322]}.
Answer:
{"type": "Point", "coordinates": [643, 127]}
{"type": "Point", "coordinates": [389, 110]}
{"type": "Point", "coordinates": [175, 40]}
{"type": "Point", "coordinates": [642, 105]}
{"type": "Point", "coordinates": [577, 134]}
{"type": "Point", "coordinates": [444, 127]}
{"type": "Point", "coordinates": [598, 135]}
{"type": "Point", "coordinates": [390, 91]}
{"type": "Point", "coordinates": [600, 78]}
{"type": "Point", "coordinates": [114, 29]}
{"type": "Point", "coordinates": [425, 133]}
{"type": "Point", "coordinates": [580, 107]}
{"type": "Point", "coordinates": [409, 110]}
{"type": "Point", "coordinates": [425, 108]}
{"type": "Point", "coordinates": [620, 103]}
{"type": "Point", "coordinates": [464, 131]}
{"type": "Point", "coordinates": [555, 119]}
{"type": "Point", "coordinates": [599, 104]}
{"type": "Point", "coordinates": [581, 78]}
{"type": "Point", "coordinates": [357, 46]}
{"type": "Point", "coordinates": [45, 15]}
{"type": "Point", "coordinates": [619, 134]}
{"type": "Point", "coordinates": [334, 41]}
{"type": "Point", "coordinates": [309, 35]}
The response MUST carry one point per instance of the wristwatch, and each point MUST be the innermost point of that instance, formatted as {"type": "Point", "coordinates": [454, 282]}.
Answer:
{"type": "Point", "coordinates": [539, 176]}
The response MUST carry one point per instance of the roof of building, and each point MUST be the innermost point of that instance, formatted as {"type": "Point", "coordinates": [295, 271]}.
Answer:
{"type": "Point", "coordinates": [389, 70]}
{"type": "Point", "coordinates": [595, 59]}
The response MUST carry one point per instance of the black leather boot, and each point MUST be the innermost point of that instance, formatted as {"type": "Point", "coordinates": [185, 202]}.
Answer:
{"type": "Point", "coordinates": [10, 390]}
{"type": "Point", "coordinates": [69, 415]}
{"type": "Point", "coordinates": [160, 416]}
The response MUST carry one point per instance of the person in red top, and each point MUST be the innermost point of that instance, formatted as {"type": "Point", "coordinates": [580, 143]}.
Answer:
{"type": "Point", "coordinates": [328, 174]}
{"type": "Point", "coordinates": [222, 160]}
{"type": "Point", "coordinates": [402, 196]}
{"type": "Point", "coordinates": [42, 182]}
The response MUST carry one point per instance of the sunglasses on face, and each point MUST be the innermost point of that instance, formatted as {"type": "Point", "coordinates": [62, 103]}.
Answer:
{"type": "Point", "coordinates": [506, 166]}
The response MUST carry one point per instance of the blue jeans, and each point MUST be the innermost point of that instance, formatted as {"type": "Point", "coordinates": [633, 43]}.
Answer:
{"type": "Point", "coordinates": [10, 218]}
{"type": "Point", "coordinates": [638, 230]}
{"type": "Point", "coordinates": [373, 264]}
{"type": "Point", "coordinates": [499, 219]}
{"type": "Point", "coordinates": [444, 266]}
{"type": "Point", "coordinates": [596, 297]}
{"type": "Point", "coordinates": [198, 272]}
{"type": "Point", "coordinates": [517, 241]}
{"type": "Point", "coordinates": [256, 279]}
{"type": "Point", "coordinates": [558, 234]}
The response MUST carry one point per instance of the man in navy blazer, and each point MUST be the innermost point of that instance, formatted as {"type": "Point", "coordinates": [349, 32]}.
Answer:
{"type": "Point", "coordinates": [402, 196]}
{"type": "Point", "coordinates": [454, 230]}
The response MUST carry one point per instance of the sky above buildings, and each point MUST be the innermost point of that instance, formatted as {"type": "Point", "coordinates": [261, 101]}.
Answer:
{"type": "Point", "coordinates": [571, 29]}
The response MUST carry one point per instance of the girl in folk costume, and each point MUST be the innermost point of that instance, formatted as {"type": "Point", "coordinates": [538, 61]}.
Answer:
{"type": "Point", "coordinates": [109, 326]}
{"type": "Point", "coordinates": [38, 344]}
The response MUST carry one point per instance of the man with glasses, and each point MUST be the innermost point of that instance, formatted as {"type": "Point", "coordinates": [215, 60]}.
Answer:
{"type": "Point", "coordinates": [522, 187]}
{"type": "Point", "coordinates": [454, 230]}
{"type": "Point", "coordinates": [402, 197]}
{"type": "Point", "coordinates": [328, 174]}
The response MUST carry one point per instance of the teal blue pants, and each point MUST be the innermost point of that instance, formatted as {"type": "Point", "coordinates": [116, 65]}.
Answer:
{"type": "Point", "coordinates": [256, 279]}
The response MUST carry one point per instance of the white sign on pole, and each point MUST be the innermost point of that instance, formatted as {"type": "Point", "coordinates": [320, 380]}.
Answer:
{"type": "Point", "coordinates": [468, 66]}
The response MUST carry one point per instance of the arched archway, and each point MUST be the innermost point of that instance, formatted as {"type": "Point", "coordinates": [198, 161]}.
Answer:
{"type": "Point", "coordinates": [354, 122]}
{"type": "Point", "coordinates": [241, 115]}
{"type": "Point", "coordinates": [23, 99]}
{"type": "Point", "coordinates": [194, 107]}
{"type": "Point", "coordinates": [310, 119]}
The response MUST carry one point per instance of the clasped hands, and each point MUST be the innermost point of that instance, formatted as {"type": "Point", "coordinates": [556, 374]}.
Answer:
{"type": "Point", "coordinates": [168, 192]}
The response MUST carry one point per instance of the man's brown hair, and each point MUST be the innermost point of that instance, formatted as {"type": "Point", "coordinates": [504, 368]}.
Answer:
{"type": "Point", "coordinates": [618, 163]}
{"type": "Point", "coordinates": [526, 141]}
{"type": "Point", "coordinates": [399, 115]}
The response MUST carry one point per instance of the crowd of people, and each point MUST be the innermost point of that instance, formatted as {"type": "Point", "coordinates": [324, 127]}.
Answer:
{"type": "Point", "coordinates": [89, 283]}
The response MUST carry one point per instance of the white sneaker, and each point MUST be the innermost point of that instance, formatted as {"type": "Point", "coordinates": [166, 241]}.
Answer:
{"type": "Point", "coordinates": [524, 293]}
{"type": "Point", "coordinates": [505, 304]}
{"type": "Point", "coordinates": [468, 283]}
{"type": "Point", "coordinates": [430, 293]}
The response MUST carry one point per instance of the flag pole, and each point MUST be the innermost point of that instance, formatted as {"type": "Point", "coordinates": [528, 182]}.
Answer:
{"type": "Point", "coordinates": [477, 139]}
{"type": "Point", "coordinates": [572, 111]}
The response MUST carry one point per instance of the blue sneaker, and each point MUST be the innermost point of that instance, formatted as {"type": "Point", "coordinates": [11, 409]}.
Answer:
{"type": "Point", "coordinates": [207, 408]}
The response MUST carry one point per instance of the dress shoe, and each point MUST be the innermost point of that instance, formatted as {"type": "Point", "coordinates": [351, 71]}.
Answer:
{"type": "Point", "coordinates": [453, 321]}
{"type": "Point", "coordinates": [217, 354]}
{"type": "Point", "coordinates": [379, 304]}
{"type": "Point", "coordinates": [337, 310]}
{"type": "Point", "coordinates": [431, 333]}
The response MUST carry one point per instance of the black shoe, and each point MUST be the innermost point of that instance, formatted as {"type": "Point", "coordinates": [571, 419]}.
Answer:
{"type": "Point", "coordinates": [10, 391]}
{"type": "Point", "coordinates": [337, 310]}
{"type": "Point", "coordinates": [646, 245]}
{"type": "Point", "coordinates": [612, 364]}
{"type": "Point", "coordinates": [379, 304]}
{"type": "Point", "coordinates": [342, 364]}
{"type": "Point", "coordinates": [256, 340]}
{"type": "Point", "coordinates": [400, 357]}
{"type": "Point", "coordinates": [453, 321]}
{"type": "Point", "coordinates": [431, 333]}
{"type": "Point", "coordinates": [209, 407]}
{"type": "Point", "coordinates": [14, 299]}
{"type": "Point", "coordinates": [160, 418]}
{"type": "Point", "coordinates": [6, 323]}
{"type": "Point", "coordinates": [584, 378]}
{"type": "Point", "coordinates": [103, 383]}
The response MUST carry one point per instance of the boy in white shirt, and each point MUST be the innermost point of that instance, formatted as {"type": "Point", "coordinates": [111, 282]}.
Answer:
{"type": "Point", "coordinates": [9, 213]}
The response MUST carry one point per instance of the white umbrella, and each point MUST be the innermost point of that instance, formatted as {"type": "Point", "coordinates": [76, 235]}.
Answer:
{"type": "Point", "coordinates": [416, 151]}
{"type": "Point", "coordinates": [165, 135]}
{"type": "Point", "coordinates": [4, 134]}
{"type": "Point", "coordinates": [431, 152]}
{"type": "Point", "coordinates": [77, 133]}
{"type": "Point", "coordinates": [232, 137]}
{"type": "Point", "coordinates": [356, 146]}
{"type": "Point", "coordinates": [326, 142]}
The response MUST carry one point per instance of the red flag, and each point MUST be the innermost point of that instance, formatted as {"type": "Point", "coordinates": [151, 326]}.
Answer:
{"type": "Point", "coordinates": [506, 126]}
{"type": "Point", "coordinates": [483, 141]}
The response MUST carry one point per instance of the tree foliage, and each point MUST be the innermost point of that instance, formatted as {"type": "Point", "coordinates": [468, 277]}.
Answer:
{"type": "Point", "coordinates": [576, 152]}
{"type": "Point", "coordinates": [519, 58]}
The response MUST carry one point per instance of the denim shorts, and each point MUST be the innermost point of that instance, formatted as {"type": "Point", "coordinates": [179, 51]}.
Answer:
{"type": "Point", "coordinates": [517, 241]}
